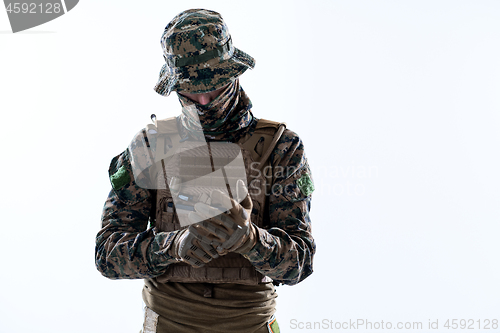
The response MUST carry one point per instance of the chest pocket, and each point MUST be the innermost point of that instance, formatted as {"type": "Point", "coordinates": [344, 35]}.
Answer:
{"type": "Point", "coordinates": [166, 217]}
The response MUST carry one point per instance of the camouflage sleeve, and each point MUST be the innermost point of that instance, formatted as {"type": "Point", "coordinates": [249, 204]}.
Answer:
{"type": "Point", "coordinates": [125, 247]}
{"type": "Point", "coordinates": [285, 250]}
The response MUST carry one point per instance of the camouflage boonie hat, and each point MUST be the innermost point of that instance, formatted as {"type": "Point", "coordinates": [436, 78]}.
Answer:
{"type": "Point", "coordinates": [199, 54]}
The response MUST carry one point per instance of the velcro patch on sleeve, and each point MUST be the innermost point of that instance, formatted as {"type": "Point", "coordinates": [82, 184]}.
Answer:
{"type": "Point", "coordinates": [305, 184]}
{"type": "Point", "coordinates": [120, 178]}
{"type": "Point", "coordinates": [273, 326]}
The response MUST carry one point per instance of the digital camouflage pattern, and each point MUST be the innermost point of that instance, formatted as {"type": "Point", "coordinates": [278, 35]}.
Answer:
{"type": "Point", "coordinates": [285, 250]}
{"type": "Point", "coordinates": [126, 248]}
{"type": "Point", "coordinates": [199, 54]}
{"type": "Point", "coordinates": [220, 119]}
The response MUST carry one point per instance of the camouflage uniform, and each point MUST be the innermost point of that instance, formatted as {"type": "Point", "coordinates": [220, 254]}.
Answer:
{"type": "Point", "coordinates": [127, 249]}
{"type": "Point", "coordinates": [129, 245]}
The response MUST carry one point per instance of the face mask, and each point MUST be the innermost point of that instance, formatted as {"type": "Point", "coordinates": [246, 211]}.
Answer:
{"type": "Point", "coordinates": [227, 113]}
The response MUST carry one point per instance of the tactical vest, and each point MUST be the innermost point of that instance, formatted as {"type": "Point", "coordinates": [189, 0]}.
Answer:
{"type": "Point", "coordinates": [232, 267]}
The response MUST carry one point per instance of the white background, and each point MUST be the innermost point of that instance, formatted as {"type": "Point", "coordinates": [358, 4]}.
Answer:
{"type": "Point", "coordinates": [397, 103]}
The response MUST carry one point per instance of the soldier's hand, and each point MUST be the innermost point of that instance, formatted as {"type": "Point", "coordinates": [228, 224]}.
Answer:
{"type": "Point", "coordinates": [230, 231]}
{"type": "Point", "coordinates": [187, 248]}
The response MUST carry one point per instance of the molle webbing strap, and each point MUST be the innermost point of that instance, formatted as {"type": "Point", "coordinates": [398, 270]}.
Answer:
{"type": "Point", "coordinates": [263, 123]}
{"type": "Point", "coordinates": [167, 127]}
{"type": "Point", "coordinates": [181, 272]}
{"type": "Point", "coordinates": [268, 131]}
{"type": "Point", "coordinates": [273, 143]}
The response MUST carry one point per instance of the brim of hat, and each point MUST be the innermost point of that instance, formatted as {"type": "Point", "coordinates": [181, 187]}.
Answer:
{"type": "Point", "coordinates": [204, 77]}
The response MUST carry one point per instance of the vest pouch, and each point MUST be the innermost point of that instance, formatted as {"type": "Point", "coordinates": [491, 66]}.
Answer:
{"type": "Point", "coordinates": [231, 268]}
{"type": "Point", "coordinates": [167, 220]}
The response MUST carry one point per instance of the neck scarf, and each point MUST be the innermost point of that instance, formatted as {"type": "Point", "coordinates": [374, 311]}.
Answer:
{"type": "Point", "coordinates": [222, 118]}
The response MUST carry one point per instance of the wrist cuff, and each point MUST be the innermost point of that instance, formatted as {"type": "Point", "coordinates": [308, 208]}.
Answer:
{"type": "Point", "coordinates": [251, 241]}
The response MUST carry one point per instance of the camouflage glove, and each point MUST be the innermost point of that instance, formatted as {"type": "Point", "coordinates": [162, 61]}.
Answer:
{"type": "Point", "coordinates": [187, 248]}
{"type": "Point", "coordinates": [230, 231]}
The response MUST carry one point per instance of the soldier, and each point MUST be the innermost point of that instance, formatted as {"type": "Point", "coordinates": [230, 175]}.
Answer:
{"type": "Point", "coordinates": [216, 272]}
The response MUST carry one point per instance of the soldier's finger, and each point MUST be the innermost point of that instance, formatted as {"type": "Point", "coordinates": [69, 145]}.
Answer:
{"type": "Point", "coordinates": [208, 232]}
{"type": "Point", "coordinates": [216, 230]}
{"type": "Point", "coordinates": [224, 221]}
{"type": "Point", "coordinates": [236, 237]}
{"type": "Point", "coordinates": [223, 199]}
{"type": "Point", "coordinates": [206, 211]}
{"type": "Point", "coordinates": [197, 252]}
{"type": "Point", "coordinates": [237, 214]}
{"type": "Point", "coordinates": [192, 260]}
{"type": "Point", "coordinates": [234, 208]}
{"type": "Point", "coordinates": [243, 195]}
{"type": "Point", "coordinates": [194, 217]}
{"type": "Point", "coordinates": [209, 250]}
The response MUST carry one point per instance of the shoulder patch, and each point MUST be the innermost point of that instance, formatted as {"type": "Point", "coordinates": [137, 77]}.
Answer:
{"type": "Point", "coordinates": [305, 184]}
{"type": "Point", "coordinates": [273, 325]}
{"type": "Point", "coordinates": [120, 178]}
